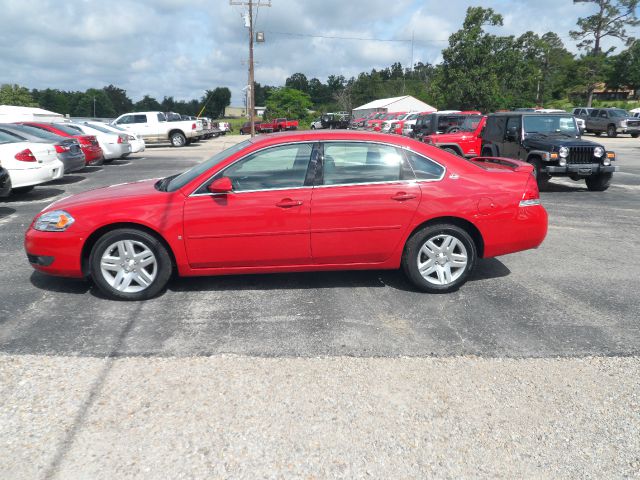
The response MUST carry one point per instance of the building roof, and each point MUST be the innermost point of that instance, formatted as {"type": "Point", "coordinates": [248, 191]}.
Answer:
{"type": "Point", "coordinates": [405, 103]}
{"type": "Point", "coordinates": [11, 113]}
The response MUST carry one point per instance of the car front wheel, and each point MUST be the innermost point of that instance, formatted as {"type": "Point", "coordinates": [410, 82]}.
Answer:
{"type": "Point", "coordinates": [611, 131]}
{"type": "Point", "coordinates": [598, 183]}
{"type": "Point", "coordinates": [439, 258]}
{"type": "Point", "coordinates": [129, 264]}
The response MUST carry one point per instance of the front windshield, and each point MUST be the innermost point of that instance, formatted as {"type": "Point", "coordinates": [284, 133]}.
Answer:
{"type": "Point", "coordinates": [550, 124]}
{"type": "Point", "coordinates": [184, 178]}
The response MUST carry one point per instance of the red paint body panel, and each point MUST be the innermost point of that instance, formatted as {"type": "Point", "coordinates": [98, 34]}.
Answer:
{"type": "Point", "coordinates": [332, 228]}
{"type": "Point", "coordinates": [469, 143]}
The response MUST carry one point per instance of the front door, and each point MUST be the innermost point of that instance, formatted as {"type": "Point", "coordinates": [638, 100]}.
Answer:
{"type": "Point", "coordinates": [263, 222]}
{"type": "Point", "coordinates": [367, 198]}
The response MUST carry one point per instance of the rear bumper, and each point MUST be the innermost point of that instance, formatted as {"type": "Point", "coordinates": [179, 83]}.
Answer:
{"type": "Point", "coordinates": [528, 230]}
{"type": "Point", "coordinates": [35, 176]}
{"type": "Point", "coordinates": [115, 150]}
{"type": "Point", "coordinates": [55, 253]}
{"type": "Point", "coordinates": [585, 169]}
{"type": "Point", "coordinates": [72, 163]}
{"type": "Point", "coordinates": [93, 155]}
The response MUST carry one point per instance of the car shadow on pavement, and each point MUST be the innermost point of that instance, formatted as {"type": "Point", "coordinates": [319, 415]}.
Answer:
{"type": "Point", "coordinates": [58, 284]}
{"type": "Point", "coordinates": [91, 168]}
{"type": "Point", "coordinates": [38, 193]}
{"type": "Point", "coordinates": [68, 179]}
{"type": "Point", "coordinates": [117, 162]}
{"type": "Point", "coordinates": [5, 212]}
{"type": "Point", "coordinates": [486, 269]}
{"type": "Point", "coordinates": [557, 187]}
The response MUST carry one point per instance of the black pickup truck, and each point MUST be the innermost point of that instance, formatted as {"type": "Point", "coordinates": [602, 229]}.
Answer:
{"type": "Point", "coordinates": [550, 142]}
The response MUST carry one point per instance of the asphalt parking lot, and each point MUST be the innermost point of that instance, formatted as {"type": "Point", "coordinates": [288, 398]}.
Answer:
{"type": "Point", "coordinates": [525, 322]}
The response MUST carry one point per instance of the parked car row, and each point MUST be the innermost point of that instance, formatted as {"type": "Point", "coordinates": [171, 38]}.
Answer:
{"type": "Point", "coordinates": [33, 153]}
{"type": "Point", "coordinates": [612, 121]}
{"type": "Point", "coordinates": [277, 125]}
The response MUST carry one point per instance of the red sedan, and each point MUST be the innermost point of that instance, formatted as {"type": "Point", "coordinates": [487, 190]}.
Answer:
{"type": "Point", "coordinates": [88, 143]}
{"type": "Point", "coordinates": [327, 200]}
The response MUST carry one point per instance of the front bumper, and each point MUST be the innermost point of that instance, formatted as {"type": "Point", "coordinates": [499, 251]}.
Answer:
{"type": "Point", "coordinates": [55, 253]}
{"type": "Point", "coordinates": [630, 130]}
{"type": "Point", "coordinates": [580, 169]}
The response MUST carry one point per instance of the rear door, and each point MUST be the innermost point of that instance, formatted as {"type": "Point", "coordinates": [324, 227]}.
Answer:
{"type": "Point", "coordinates": [512, 137]}
{"type": "Point", "coordinates": [365, 201]}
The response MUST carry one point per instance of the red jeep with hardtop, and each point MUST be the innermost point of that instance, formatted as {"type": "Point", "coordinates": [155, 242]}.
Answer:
{"type": "Point", "coordinates": [464, 140]}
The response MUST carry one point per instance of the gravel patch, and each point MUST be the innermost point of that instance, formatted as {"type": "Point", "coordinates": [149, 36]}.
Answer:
{"type": "Point", "coordinates": [245, 417]}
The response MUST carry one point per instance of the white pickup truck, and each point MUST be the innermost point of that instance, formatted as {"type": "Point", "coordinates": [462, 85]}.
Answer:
{"type": "Point", "coordinates": [153, 127]}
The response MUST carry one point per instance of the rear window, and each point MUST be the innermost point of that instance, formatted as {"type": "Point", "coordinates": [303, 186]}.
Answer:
{"type": "Point", "coordinates": [38, 132]}
{"type": "Point", "coordinates": [6, 137]}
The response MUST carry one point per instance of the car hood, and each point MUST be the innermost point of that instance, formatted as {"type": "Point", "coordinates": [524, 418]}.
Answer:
{"type": "Point", "coordinates": [125, 192]}
{"type": "Point", "coordinates": [544, 143]}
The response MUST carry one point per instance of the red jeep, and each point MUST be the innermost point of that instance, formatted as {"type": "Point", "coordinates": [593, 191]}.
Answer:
{"type": "Point", "coordinates": [463, 140]}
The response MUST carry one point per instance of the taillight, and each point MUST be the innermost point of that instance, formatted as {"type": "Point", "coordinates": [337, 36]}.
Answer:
{"type": "Point", "coordinates": [120, 139]}
{"type": "Point", "coordinates": [193, 127]}
{"type": "Point", "coordinates": [531, 195]}
{"type": "Point", "coordinates": [84, 141]}
{"type": "Point", "coordinates": [25, 156]}
{"type": "Point", "coordinates": [62, 148]}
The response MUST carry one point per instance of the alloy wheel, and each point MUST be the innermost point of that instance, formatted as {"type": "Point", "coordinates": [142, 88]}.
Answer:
{"type": "Point", "coordinates": [129, 266]}
{"type": "Point", "coordinates": [442, 259]}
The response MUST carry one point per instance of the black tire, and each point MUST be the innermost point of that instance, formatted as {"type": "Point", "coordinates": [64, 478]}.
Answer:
{"type": "Point", "coordinates": [598, 183]}
{"type": "Point", "coordinates": [162, 270]}
{"type": "Point", "coordinates": [178, 139]}
{"type": "Point", "coordinates": [451, 151]}
{"type": "Point", "coordinates": [125, 155]}
{"type": "Point", "coordinates": [542, 178]}
{"type": "Point", "coordinates": [22, 190]}
{"type": "Point", "coordinates": [597, 134]}
{"type": "Point", "coordinates": [452, 130]}
{"type": "Point", "coordinates": [611, 131]}
{"type": "Point", "coordinates": [413, 254]}
{"type": "Point", "coordinates": [635, 135]}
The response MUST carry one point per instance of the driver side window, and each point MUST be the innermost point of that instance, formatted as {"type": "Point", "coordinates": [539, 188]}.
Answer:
{"type": "Point", "coordinates": [274, 168]}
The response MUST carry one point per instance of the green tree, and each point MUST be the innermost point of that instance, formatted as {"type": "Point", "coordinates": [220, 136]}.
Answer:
{"type": "Point", "coordinates": [625, 69]}
{"type": "Point", "coordinates": [119, 100]}
{"type": "Point", "coordinates": [94, 103]}
{"type": "Point", "coordinates": [298, 81]}
{"type": "Point", "coordinates": [610, 20]}
{"type": "Point", "coordinates": [216, 101]}
{"type": "Point", "coordinates": [469, 77]}
{"type": "Point", "coordinates": [16, 95]}
{"type": "Point", "coordinates": [52, 100]}
{"type": "Point", "coordinates": [147, 104]}
{"type": "Point", "coordinates": [287, 102]}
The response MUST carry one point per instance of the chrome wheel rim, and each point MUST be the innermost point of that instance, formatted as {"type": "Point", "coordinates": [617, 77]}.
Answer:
{"type": "Point", "coordinates": [442, 260]}
{"type": "Point", "coordinates": [177, 141]}
{"type": "Point", "coordinates": [129, 266]}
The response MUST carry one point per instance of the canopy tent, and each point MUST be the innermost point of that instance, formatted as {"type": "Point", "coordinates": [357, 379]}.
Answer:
{"type": "Point", "coordinates": [394, 104]}
{"type": "Point", "coordinates": [11, 113]}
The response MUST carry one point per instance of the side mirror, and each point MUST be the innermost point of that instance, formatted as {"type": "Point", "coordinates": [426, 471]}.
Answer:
{"type": "Point", "coordinates": [221, 185]}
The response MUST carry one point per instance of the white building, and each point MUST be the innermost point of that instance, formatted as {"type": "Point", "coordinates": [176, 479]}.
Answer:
{"type": "Point", "coordinates": [11, 113]}
{"type": "Point", "coordinates": [394, 104]}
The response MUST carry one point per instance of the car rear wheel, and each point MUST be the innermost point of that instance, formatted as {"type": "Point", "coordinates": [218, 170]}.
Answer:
{"type": "Point", "coordinates": [439, 258]}
{"type": "Point", "coordinates": [129, 264]}
{"type": "Point", "coordinates": [611, 131]}
{"type": "Point", "coordinates": [178, 139]}
{"type": "Point", "coordinates": [599, 183]}
{"type": "Point", "coordinates": [635, 135]}
{"type": "Point", "coordinates": [451, 151]}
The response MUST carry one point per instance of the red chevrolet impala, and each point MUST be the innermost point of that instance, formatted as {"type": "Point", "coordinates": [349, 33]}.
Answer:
{"type": "Point", "coordinates": [327, 200]}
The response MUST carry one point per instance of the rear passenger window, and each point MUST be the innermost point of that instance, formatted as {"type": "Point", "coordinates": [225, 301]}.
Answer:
{"type": "Point", "coordinates": [348, 163]}
{"type": "Point", "coordinates": [424, 168]}
{"type": "Point", "coordinates": [595, 113]}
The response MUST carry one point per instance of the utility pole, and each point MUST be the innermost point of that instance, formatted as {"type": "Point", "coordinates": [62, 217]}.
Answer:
{"type": "Point", "coordinates": [250, 91]}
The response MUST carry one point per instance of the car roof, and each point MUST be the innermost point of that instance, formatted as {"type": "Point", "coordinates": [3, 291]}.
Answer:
{"type": "Point", "coordinates": [522, 114]}
{"type": "Point", "coordinates": [329, 135]}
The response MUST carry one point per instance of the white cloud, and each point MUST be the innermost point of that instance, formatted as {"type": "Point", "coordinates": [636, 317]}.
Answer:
{"type": "Point", "coordinates": [182, 47]}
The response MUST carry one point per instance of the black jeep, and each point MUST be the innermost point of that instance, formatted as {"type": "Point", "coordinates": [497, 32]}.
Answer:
{"type": "Point", "coordinates": [551, 143]}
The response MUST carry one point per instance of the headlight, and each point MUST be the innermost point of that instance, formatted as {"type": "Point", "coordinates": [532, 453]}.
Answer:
{"type": "Point", "coordinates": [598, 152]}
{"type": "Point", "coordinates": [623, 124]}
{"type": "Point", "coordinates": [54, 221]}
{"type": "Point", "coordinates": [564, 152]}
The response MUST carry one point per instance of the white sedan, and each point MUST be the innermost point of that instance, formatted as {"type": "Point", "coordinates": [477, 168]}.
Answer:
{"type": "Point", "coordinates": [136, 141]}
{"type": "Point", "coordinates": [114, 145]}
{"type": "Point", "coordinates": [29, 163]}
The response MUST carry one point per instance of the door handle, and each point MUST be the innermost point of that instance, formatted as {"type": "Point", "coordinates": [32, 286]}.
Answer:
{"type": "Point", "coordinates": [402, 196]}
{"type": "Point", "coordinates": [288, 203]}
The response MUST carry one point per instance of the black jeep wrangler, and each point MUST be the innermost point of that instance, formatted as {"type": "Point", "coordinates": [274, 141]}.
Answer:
{"type": "Point", "coordinates": [551, 143]}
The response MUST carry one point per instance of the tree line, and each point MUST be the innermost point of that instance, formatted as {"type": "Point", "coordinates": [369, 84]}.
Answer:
{"type": "Point", "coordinates": [480, 70]}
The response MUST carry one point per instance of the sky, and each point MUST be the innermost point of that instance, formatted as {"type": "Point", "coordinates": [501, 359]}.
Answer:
{"type": "Point", "coordinates": [180, 48]}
